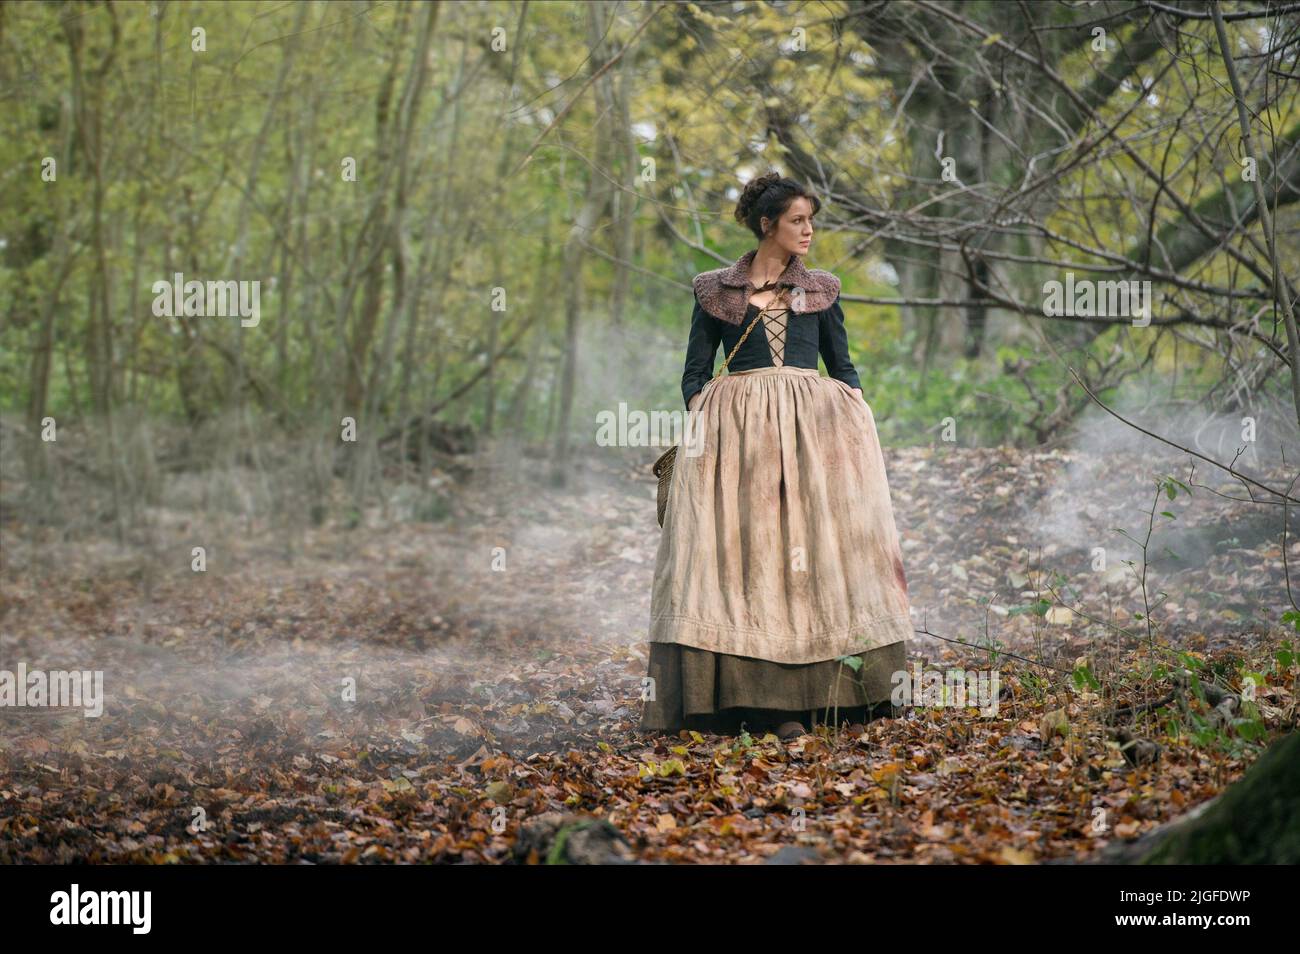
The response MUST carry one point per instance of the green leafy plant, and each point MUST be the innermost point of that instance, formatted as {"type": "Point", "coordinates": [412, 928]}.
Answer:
{"type": "Point", "coordinates": [1084, 679]}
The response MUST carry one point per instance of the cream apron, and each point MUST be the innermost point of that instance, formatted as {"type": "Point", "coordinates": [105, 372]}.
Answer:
{"type": "Point", "coordinates": [779, 540]}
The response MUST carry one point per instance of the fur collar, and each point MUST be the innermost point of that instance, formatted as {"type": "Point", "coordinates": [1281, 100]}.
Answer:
{"type": "Point", "coordinates": [724, 292]}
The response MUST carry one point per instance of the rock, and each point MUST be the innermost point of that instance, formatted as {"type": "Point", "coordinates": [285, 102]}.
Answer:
{"type": "Point", "coordinates": [558, 839]}
{"type": "Point", "coordinates": [794, 855]}
{"type": "Point", "coordinates": [1137, 751]}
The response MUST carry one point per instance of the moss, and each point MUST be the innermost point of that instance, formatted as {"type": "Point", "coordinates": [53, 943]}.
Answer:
{"type": "Point", "coordinates": [1254, 822]}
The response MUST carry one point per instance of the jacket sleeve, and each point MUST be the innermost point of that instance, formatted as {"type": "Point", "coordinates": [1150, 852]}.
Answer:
{"type": "Point", "coordinates": [701, 350]}
{"type": "Point", "coordinates": [833, 343]}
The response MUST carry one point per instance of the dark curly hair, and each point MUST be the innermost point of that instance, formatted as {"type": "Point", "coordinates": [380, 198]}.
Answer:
{"type": "Point", "coordinates": [770, 195]}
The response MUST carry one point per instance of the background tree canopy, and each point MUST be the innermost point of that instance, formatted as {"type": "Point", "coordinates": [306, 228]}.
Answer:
{"type": "Point", "coordinates": [492, 211]}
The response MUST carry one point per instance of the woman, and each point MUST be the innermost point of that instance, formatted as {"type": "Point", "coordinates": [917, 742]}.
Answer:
{"type": "Point", "coordinates": [779, 559]}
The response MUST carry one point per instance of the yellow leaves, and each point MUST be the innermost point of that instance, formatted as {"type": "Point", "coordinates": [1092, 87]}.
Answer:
{"type": "Point", "coordinates": [666, 823]}
{"type": "Point", "coordinates": [887, 775]}
{"type": "Point", "coordinates": [1053, 724]}
{"type": "Point", "coordinates": [950, 766]}
{"type": "Point", "coordinates": [708, 19]}
{"type": "Point", "coordinates": [661, 769]}
{"type": "Point", "coordinates": [1015, 856]}
{"type": "Point", "coordinates": [500, 792]}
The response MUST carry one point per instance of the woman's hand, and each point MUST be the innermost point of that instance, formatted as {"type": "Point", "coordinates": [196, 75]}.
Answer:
{"type": "Point", "coordinates": [695, 399]}
{"type": "Point", "coordinates": [858, 392]}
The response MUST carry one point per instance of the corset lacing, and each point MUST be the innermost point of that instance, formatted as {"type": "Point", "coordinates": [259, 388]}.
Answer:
{"type": "Point", "coordinates": [774, 323]}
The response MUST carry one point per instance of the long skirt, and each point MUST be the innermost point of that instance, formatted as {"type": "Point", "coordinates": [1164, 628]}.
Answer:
{"type": "Point", "coordinates": [779, 586]}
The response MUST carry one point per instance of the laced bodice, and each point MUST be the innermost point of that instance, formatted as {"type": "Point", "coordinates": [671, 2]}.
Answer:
{"type": "Point", "coordinates": [774, 320]}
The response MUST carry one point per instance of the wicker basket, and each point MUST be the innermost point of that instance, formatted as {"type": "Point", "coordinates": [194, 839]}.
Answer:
{"type": "Point", "coordinates": [663, 469]}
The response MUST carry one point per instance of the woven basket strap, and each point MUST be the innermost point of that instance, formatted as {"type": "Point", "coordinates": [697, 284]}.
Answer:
{"type": "Point", "coordinates": [757, 319]}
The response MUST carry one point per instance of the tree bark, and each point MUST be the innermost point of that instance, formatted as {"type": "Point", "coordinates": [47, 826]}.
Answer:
{"type": "Point", "coordinates": [1253, 822]}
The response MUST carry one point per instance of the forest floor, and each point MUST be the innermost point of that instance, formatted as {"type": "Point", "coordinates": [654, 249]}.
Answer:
{"type": "Point", "coordinates": [385, 694]}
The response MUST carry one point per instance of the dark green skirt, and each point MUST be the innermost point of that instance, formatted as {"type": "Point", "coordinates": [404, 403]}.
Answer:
{"type": "Point", "coordinates": [716, 692]}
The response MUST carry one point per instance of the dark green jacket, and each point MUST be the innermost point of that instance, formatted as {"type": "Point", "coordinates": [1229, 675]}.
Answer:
{"type": "Point", "coordinates": [814, 325]}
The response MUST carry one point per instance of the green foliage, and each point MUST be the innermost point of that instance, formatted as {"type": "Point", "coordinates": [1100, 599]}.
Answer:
{"type": "Point", "coordinates": [1238, 736]}
{"type": "Point", "coordinates": [1035, 685]}
{"type": "Point", "coordinates": [1084, 680]}
{"type": "Point", "coordinates": [910, 403]}
{"type": "Point", "coordinates": [241, 160]}
{"type": "Point", "coordinates": [1037, 608]}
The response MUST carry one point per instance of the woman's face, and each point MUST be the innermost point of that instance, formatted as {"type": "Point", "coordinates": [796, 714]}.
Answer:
{"type": "Point", "coordinates": [794, 231]}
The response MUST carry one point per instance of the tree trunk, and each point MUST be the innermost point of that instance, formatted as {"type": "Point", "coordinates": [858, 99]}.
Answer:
{"type": "Point", "coordinates": [584, 228]}
{"type": "Point", "coordinates": [1253, 822]}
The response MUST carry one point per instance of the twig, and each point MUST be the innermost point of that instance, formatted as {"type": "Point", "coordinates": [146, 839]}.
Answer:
{"type": "Point", "coordinates": [1000, 652]}
{"type": "Point", "coordinates": [1165, 440]}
